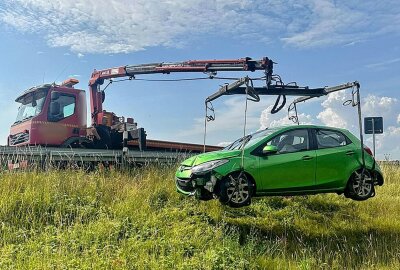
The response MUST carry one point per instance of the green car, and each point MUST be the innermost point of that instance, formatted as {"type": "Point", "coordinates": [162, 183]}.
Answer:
{"type": "Point", "coordinates": [293, 160]}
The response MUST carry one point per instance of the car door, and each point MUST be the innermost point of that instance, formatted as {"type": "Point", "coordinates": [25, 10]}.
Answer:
{"type": "Point", "coordinates": [292, 167]}
{"type": "Point", "coordinates": [335, 158]}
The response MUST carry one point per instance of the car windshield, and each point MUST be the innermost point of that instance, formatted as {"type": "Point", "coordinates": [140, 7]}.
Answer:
{"type": "Point", "coordinates": [250, 139]}
{"type": "Point", "coordinates": [31, 105]}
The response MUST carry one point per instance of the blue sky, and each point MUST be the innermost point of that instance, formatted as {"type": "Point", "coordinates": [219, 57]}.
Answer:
{"type": "Point", "coordinates": [315, 43]}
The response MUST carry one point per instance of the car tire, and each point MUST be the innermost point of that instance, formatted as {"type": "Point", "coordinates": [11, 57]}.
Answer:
{"type": "Point", "coordinates": [236, 190]}
{"type": "Point", "coordinates": [359, 190]}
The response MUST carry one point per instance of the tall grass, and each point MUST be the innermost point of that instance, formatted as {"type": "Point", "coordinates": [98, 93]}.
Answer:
{"type": "Point", "coordinates": [136, 220]}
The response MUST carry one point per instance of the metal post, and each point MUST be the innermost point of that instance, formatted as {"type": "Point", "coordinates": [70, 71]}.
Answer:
{"type": "Point", "coordinates": [358, 103]}
{"type": "Point", "coordinates": [124, 145]}
{"type": "Point", "coordinates": [373, 134]}
{"type": "Point", "coordinates": [297, 117]}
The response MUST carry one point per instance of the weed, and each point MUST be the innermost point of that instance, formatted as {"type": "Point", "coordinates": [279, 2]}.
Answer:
{"type": "Point", "coordinates": [136, 220]}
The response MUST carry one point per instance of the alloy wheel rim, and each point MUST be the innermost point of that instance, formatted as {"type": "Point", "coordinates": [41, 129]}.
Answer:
{"type": "Point", "coordinates": [362, 187]}
{"type": "Point", "coordinates": [238, 191]}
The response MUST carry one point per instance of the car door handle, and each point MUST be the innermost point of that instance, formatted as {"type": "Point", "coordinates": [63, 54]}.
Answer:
{"type": "Point", "coordinates": [349, 153]}
{"type": "Point", "coordinates": [307, 158]}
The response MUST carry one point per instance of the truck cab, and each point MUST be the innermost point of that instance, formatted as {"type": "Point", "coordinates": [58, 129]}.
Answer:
{"type": "Point", "coordinates": [50, 115]}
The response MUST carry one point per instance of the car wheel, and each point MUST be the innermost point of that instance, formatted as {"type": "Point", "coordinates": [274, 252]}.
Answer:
{"type": "Point", "coordinates": [236, 190]}
{"type": "Point", "coordinates": [360, 187]}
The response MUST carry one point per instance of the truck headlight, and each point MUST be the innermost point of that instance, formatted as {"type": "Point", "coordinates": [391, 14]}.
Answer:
{"type": "Point", "coordinates": [208, 166]}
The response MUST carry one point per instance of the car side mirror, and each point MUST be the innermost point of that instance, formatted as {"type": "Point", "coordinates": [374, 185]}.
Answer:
{"type": "Point", "coordinates": [54, 111]}
{"type": "Point", "coordinates": [55, 95]}
{"type": "Point", "coordinates": [269, 149]}
{"type": "Point", "coordinates": [54, 108]}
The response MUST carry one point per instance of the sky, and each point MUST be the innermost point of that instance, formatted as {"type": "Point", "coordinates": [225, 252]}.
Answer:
{"type": "Point", "coordinates": [314, 42]}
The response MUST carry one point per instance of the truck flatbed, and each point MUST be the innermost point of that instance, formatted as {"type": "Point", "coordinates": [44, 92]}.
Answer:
{"type": "Point", "coordinates": [45, 157]}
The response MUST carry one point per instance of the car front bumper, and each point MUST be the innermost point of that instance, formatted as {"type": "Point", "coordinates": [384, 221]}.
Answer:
{"type": "Point", "coordinates": [184, 186]}
{"type": "Point", "coordinates": [201, 186]}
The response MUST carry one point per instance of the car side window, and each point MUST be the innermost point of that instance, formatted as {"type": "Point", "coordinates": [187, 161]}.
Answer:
{"type": "Point", "coordinates": [62, 107]}
{"type": "Point", "coordinates": [330, 138]}
{"type": "Point", "coordinates": [291, 141]}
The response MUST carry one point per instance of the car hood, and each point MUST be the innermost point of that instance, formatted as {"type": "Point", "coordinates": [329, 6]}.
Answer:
{"type": "Point", "coordinates": [199, 159]}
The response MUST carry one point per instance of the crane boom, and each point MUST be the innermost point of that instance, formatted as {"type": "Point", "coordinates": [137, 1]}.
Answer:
{"type": "Point", "coordinates": [203, 66]}
{"type": "Point", "coordinates": [242, 64]}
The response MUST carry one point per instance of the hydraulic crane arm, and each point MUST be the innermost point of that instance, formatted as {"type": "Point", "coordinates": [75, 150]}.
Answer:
{"type": "Point", "coordinates": [204, 66]}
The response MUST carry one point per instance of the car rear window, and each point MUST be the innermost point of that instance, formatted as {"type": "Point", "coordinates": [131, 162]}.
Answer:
{"type": "Point", "coordinates": [330, 138]}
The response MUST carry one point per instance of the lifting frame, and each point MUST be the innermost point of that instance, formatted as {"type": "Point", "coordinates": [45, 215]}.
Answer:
{"type": "Point", "coordinates": [282, 90]}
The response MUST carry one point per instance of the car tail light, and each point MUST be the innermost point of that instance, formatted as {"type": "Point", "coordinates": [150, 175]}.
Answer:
{"type": "Point", "coordinates": [368, 150]}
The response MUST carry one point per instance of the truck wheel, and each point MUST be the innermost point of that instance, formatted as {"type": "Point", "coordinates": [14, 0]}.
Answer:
{"type": "Point", "coordinates": [105, 138]}
{"type": "Point", "coordinates": [360, 188]}
{"type": "Point", "coordinates": [236, 190]}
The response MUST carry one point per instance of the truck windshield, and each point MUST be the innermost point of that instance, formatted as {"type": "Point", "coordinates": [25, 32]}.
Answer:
{"type": "Point", "coordinates": [31, 105]}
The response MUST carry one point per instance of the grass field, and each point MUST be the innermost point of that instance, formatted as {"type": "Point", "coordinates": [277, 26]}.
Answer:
{"type": "Point", "coordinates": [136, 220]}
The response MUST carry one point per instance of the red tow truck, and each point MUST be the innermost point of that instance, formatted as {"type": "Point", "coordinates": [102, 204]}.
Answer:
{"type": "Point", "coordinates": [54, 115]}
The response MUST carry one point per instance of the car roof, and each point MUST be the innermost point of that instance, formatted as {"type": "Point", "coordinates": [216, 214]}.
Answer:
{"type": "Point", "coordinates": [288, 127]}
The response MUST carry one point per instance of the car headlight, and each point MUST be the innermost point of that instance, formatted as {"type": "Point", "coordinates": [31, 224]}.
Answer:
{"type": "Point", "coordinates": [208, 166]}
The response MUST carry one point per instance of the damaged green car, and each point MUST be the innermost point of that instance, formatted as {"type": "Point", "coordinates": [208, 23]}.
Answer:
{"type": "Point", "coordinates": [295, 160]}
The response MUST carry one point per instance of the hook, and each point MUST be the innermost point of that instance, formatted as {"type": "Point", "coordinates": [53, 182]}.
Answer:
{"type": "Point", "coordinates": [251, 93]}
{"type": "Point", "coordinates": [210, 108]}
{"type": "Point", "coordinates": [278, 107]}
{"type": "Point", "coordinates": [293, 118]}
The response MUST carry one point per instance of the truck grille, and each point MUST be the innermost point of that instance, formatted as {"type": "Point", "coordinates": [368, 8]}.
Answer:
{"type": "Point", "coordinates": [19, 138]}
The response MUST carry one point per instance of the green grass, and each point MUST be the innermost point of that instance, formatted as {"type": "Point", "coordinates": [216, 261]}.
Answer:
{"type": "Point", "coordinates": [136, 220]}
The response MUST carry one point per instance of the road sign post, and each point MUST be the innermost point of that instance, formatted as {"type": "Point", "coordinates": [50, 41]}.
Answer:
{"type": "Point", "coordinates": [373, 125]}
{"type": "Point", "coordinates": [373, 136]}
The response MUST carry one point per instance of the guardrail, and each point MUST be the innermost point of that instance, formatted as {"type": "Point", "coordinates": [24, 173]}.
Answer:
{"type": "Point", "coordinates": [48, 157]}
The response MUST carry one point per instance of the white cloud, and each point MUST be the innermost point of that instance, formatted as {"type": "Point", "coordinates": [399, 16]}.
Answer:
{"type": "Point", "coordinates": [280, 119]}
{"type": "Point", "coordinates": [229, 121]}
{"type": "Point", "coordinates": [388, 143]}
{"type": "Point", "coordinates": [352, 43]}
{"type": "Point", "coordinates": [337, 115]}
{"type": "Point", "coordinates": [80, 55]}
{"type": "Point", "coordinates": [380, 106]}
{"type": "Point", "coordinates": [333, 113]}
{"type": "Point", "coordinates": [125, 26]}
{"type": "Point", "coordinates": [122, 26]}
{"type": "Point", "coordinates": [331, 118]}
{"type": "Point", "coordinates": [223, 144]}
{"type": "Point", "coordinates": [345, 22]}
{"type": "Point", "coordinates": [326, 25]}
{"type": "Point", "coordinates": [398, 119]}
{"type": "Point", "coordinates": [383, 63]}
{"type": "Point", "coordinates": [393, 131]}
